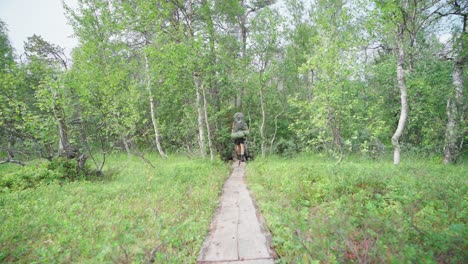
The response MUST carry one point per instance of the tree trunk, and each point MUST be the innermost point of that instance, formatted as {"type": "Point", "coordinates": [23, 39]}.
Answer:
{"type": "Point", "coordinates": [153, 118]}
{"type": "Point", "coordinates": [59, 114]}
{"type": "Point", "coordinates": [201, 131]}
{"type": "Point", "coordinates": [11, 143]}
{"type": "Point", "coordinates": [208, 130]}
{"type": "Point", "coordinates": [451, 132]}
{"type": "Point", "coordinates": [455, 108]}
{"type": "Point", "coordinates": [11, 152]}
{"type": "Point", "coordinates": [262, 126]}
{"type": "Point", "coordinates": [155, 127]}
{"type": "Point", "coordinates": [243, 35]}
{"type": "Point", "coordinates": [127, 147]}
{"type": "Point", "coordinates": [334, 120]}
{"type": "Point", "coordinates": [310, 85]}
{"type": "Point", "coordinates": [403, 93]}
{"type": "Point", "coordinates": [213, 85]}
{"type": "Point", "coordinates": [274, 133]}
{"type": "Point", "coordinates": [64, 143]}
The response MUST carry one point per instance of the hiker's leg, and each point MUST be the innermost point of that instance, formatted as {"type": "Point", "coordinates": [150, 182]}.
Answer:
{"type": "Point", "coordinates": [242, 150]}
{"type": "Point", "coordinates": [238, 148]}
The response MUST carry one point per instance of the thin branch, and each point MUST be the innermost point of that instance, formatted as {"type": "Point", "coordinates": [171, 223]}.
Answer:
{"type": "Point", "coordinates": [276, 130]}
{"type": "Point", "coordinates": [447, 14]}
{"type": "Point", "coordinates": [139, 154]}
{"type": "Point", "coordinates": [299, 238]}
{"type": "Point", "coordinates": [8, 160]}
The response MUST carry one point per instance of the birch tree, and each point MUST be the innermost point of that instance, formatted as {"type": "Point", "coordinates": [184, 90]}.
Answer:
{"type": "Point", "coordinates": [264, 48]}
{"type": "Point", "coordinates": [199, 105]}
{"type": "Point", "coordinates": [400, 71]}
{"type": "Point", "coordinates": [152, 110]}
{"type": "Point", "coordinates": [456, 109]}
{"type": "Point", "coordinates": [407, 19]}
{"type": "Point", "coordinates": [51, 88]}
{"type": "Point", "coordinates": [246, 10]}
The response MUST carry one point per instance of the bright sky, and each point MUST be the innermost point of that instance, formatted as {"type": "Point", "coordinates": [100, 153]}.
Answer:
{"type": "Point", "coordinates": [46, 18]}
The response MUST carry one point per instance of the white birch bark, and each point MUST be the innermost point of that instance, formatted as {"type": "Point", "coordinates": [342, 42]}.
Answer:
{"type": "Point", "coordinates": [201, 131]}
{"type": "Point", "coordinates": [274, 134]}
{"type": "Point", "coordinates": [455, 108]}
{"type": "Point", "coordinates": [59, 114]}
{"type": "Point", "coordinates": [262, 126]}
{"type": "Point", "coordinates": [403, 92]}
{"type": "Point", "coordinates": [63, 131]}
{"type": "Point", "coordinates": [243, 38]}
{"type": "Point", "coordinates": [205, 110]}
{"type": "Point", "coordinates": [152, 112]}
{"type": "Point", "coordinates": [127, 147]}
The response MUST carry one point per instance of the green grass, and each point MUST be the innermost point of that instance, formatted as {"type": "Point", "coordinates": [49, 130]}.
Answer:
{"type": "Point", "coordinates": [131, 214]}
{"type": "Point", "coordinates": [362, 211]}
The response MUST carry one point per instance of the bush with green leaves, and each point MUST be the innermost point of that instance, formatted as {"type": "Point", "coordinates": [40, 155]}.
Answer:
{"type": "Point", "coordinates": [58, 170]}
{"type": "Point", "coordinates": [68, 168]}
{"type": "Point", "coordinates": [28, 177]}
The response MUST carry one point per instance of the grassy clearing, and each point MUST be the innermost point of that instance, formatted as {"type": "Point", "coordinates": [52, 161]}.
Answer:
{"type": "Point", "coordinates": [363, 211]}
{"type": "Point", "coordinates": [129, 216]}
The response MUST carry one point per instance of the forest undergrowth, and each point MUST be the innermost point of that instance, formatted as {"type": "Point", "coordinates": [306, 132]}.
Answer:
{"type": "Point", "coordinates": [133, 214]}
{"type": "Point", "coordinates": [362, 211]}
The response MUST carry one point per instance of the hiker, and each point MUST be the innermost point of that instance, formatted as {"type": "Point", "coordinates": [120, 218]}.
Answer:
{"type": "Point", "coordinates": [238, 133]}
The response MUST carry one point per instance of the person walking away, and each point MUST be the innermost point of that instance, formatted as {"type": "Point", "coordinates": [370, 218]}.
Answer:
{"type": "Point", "coordinates": [238, 133]}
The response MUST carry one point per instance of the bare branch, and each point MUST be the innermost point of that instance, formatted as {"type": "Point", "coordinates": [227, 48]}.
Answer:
{"type": "Point", "coordinates": [8, 160]}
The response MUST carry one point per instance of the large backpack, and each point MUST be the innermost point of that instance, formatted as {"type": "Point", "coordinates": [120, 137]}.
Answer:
{"type": "Point", "coordinates": [239, 126]}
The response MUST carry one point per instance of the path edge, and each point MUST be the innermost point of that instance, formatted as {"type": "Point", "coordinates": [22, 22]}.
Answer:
{"type": "Point", "coordinates": [215, 214]}
{"type": "Point", "coordinates": [261, 220]}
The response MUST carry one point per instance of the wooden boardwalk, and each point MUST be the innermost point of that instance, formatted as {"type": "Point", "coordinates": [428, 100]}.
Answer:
{"type": "Point", "coordinates": [237, 234]}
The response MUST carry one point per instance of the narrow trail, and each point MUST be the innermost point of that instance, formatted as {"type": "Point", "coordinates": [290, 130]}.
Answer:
{"type": "Point", "coordinates": [237, 234]}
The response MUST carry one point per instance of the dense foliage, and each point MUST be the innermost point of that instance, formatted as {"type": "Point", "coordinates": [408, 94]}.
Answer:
{"type": "Point", "coordinates": [361, 211]}
{"type": "Point", "coordinates": [309, 75]}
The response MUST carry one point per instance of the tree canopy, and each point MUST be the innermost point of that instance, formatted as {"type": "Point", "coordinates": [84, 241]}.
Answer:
{"type": "Point", "coordinates": [331, 76]}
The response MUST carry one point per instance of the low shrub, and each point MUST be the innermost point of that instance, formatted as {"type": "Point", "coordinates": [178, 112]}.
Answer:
{"type": "Point", "coordinates": [28, 177]}
{"type": "Point", "coordinates": [58, 170]}
{"type": "Point", "coordinates": [68, 168]}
